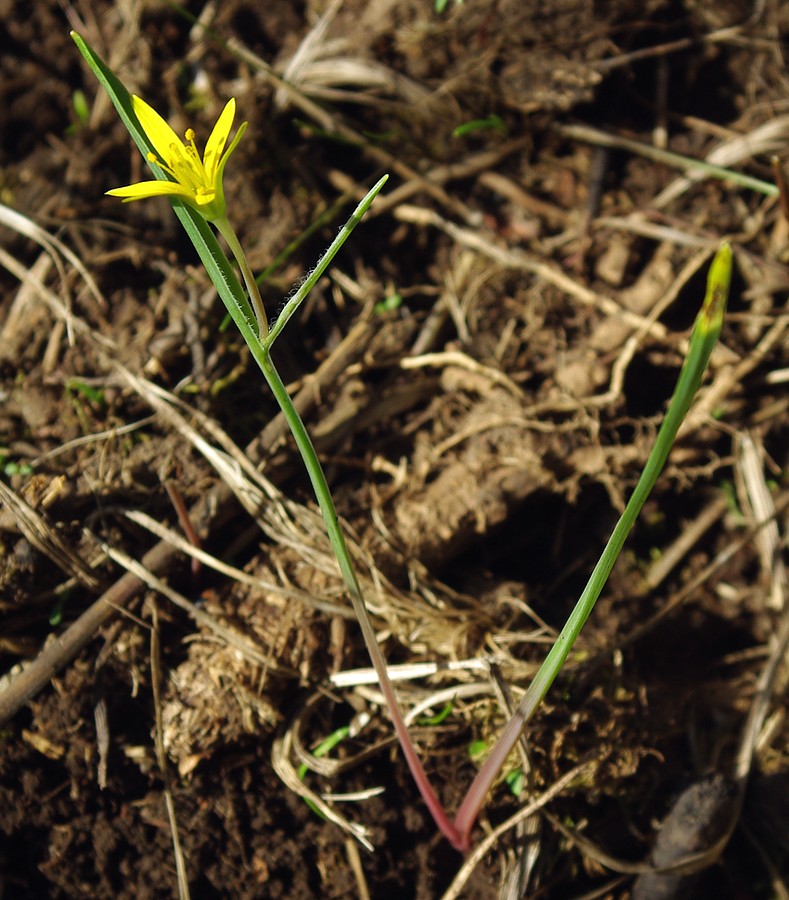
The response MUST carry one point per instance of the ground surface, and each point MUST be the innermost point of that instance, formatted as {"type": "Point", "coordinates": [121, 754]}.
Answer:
{"type": "Point", "coordinates": [483, 374]}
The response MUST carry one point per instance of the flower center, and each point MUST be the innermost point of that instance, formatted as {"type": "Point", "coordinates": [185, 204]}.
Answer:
{"type": "Point", "coordinates": [186, 167]}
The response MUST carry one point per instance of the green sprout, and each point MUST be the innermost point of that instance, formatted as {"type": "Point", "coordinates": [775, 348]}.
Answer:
{"type": "Point", "coordinates": [438, 718]}
{"type": "Point", "coordinates": [490, 123]}
{"type": "Point", "coordinates": [478, 750]}
{"type": "Point", "coordinates": [323, 749]}
{"type": "Point", "coordinates": [56, 614]}
{"type": "Point", "coordinates": [89, 393]}
{"type": "Point", "coordinates": [11, 467]}
{"type": "Point", "coordinates": [79, 103]}
{"type": "Point", "coordinates": [441, 5]}
{"type": "Point", "coordinates": [388, 304]}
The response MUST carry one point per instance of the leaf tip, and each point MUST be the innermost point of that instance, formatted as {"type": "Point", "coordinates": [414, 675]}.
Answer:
{"type": "Point", "coordinates": [718, 284]}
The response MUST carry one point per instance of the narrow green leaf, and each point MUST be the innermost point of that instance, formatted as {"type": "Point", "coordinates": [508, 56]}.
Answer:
{"type": "Point", "coordinates": [310, 281]}
{"type": "Point", "coordinates": [702, 342]}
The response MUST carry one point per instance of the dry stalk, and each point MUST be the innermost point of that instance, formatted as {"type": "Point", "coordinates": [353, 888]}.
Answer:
{"type": "Point", "coordinates": [161, 756]}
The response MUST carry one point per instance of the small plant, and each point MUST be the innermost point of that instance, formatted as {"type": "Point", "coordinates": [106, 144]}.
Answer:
{"type": "Point", "coordinates": [490, 123]}
{"type": "Point", "coordinates": [323, 749]}
{"type": "Point", "coordinates": [513, 778]}
{"type": "Point", "coordinates": [441, 5]}
{"type": "Point", "coordinates": [91, 394]}
{"type": "Point", "coordinates": [10, 467]}
{"type": "Point", "coordinates": [81, 108]}
{"type": "Point", "coordinates": [194, 184]}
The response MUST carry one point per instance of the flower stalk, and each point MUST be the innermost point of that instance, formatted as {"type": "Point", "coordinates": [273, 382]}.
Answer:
{"type": "Point", "coordinates": [224, 227]}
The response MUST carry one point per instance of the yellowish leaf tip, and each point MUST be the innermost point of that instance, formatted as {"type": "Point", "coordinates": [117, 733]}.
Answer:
{"type": "Point", "coordinates": [718, 284]}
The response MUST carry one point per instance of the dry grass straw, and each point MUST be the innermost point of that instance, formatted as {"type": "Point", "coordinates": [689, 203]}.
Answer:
{"type": "Point", "coordinates": [281, 755]}
{"type": "Point", "coordinates": [161, 756]}
{"type": "Point", "coordinates": [414, 182]}
{"type": "Point", "coordinates": [318, 69]}
{"type": "Point", "coordinates": [45, 539]}
{"type": "Point", "coordinates": [491, 840]}
{"type": "Point", "coordinates": [288, 524]}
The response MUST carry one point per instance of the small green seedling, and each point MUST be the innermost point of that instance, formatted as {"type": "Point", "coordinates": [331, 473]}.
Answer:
{"type": "Point", "coordinates": [11, 467]}
{"type": "Point", "coordinates": [491, 123]}
{"type": "Point", "coordinates": [441, 5]}
{"type": "Point", "coordinates": [438, 718]}
{"type": "Point", "coordinates": [79, 103]}
{"type": "Point", "coordinates": [56, 613]}
{"type": "Point", "coordinates": [478, 750]}
{"type": "Point", "coordinates": [323, 749]}
{"type": "Point", "coordinates": [88, 392]}
{"type": "Point", "coordinates": [389, 304]}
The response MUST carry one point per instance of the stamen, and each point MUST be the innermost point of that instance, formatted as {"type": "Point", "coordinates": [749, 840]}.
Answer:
{"type": "Point", "coordinates": [182, 166]}
{"type": "Point", "coordinates": [152, 157]}
{"type": "Point", "coordinates": [195, 162]}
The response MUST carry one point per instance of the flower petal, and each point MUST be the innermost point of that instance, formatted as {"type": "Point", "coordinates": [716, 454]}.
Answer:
{"type": "Point", "coordinates": [218, 138]}
{"type": "Point", "coordinates": [163, 138]}
{"type": "Point", "coordinates": [222, 162]}
{"type": "Point", "coordinates": [146, 189]}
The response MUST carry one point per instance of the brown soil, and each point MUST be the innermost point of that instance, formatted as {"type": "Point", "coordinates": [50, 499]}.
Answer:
{"type": "Point", "coordinates": [494, 350]}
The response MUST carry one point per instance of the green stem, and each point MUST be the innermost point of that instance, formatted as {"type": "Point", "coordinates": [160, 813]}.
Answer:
{"type": "Point", "coordinates": [703, 340]}
{"type": "Point", "coordinates": [261, 350]}
{"type": "Point", "coordinates": [326, 504]}
{"type": "Point", "coordinates": [224, 227]}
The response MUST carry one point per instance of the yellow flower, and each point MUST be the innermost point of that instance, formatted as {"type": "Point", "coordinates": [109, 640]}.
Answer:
{"type": "Point", "coordinates": [197, 181]}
